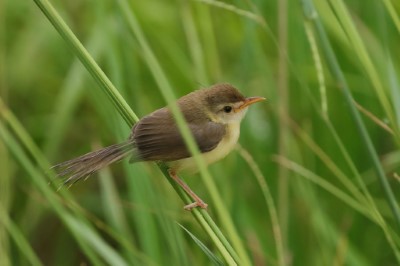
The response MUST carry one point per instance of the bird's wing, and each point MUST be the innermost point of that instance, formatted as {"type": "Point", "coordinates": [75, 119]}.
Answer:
{"type": "Point", "coordinates": [157, 137]}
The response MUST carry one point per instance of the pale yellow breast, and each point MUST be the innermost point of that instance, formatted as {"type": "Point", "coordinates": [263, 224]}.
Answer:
{"type": "Point", "coordinates": [224, 147]}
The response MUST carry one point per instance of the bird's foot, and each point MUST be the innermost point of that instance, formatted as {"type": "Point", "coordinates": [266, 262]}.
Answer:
{"type": "Point", "coordinates": [198, 202]}
{"type": "Point", "coordinates": [195, 204]}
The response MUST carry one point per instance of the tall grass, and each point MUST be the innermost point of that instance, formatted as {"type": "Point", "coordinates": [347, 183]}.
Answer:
{"type": "Point", "coordinates": [312, 183]}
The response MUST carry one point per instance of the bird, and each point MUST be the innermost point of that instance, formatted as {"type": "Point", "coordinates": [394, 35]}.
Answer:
{"type": "Point", "coordinates": [213, 116]}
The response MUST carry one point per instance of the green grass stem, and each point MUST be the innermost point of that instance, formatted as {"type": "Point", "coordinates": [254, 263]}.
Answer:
{"type": "Point", "coordinates": [312, 15]}
{"type": "Point", "coordinates": [269, 200]}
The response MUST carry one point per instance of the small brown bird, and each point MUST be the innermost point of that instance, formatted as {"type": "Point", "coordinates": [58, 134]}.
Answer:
{"type": "Point", "coordinates": [213, 116]}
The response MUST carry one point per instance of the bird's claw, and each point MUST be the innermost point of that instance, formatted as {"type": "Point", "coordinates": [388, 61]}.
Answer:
{"type": "Point", "coordinates": [195, 204]}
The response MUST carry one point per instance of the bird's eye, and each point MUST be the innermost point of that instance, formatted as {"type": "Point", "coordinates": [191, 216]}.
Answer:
{"type": "Point", "coordinates": [227, 109]}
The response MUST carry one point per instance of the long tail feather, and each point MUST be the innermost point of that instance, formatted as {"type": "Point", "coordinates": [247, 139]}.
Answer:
{"type": "Point", "coordinates": [85, 165]}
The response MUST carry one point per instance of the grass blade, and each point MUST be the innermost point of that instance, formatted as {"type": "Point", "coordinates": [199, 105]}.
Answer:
{"type": "Point", "coordinates": [19, 239]}
{"type": "Point", "coordinates": [337, 73]}
{"type": "Point", "coordinates": [214, 259]}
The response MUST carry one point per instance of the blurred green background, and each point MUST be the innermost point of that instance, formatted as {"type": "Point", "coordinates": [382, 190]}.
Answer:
{"type": "Point", "coordinates": [302, 146]}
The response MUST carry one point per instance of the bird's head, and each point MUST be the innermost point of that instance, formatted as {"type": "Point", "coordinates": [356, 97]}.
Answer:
{"type": "Point", "coordinates": [225, 104]}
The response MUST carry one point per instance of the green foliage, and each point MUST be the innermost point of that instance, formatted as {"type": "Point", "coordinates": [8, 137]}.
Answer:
{"type": "Point", "coordinates": [315, 180]}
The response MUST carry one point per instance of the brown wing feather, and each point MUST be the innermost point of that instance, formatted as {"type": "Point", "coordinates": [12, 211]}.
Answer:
{"type": "Point", "coordinates": [157, 137]}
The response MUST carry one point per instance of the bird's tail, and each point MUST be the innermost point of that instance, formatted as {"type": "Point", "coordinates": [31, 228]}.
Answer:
{"type": "Point", "coordinates": [85, 165]}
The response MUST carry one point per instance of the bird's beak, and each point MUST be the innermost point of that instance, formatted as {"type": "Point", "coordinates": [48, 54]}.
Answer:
{"type": "Point", "coordinates": [248, 101]}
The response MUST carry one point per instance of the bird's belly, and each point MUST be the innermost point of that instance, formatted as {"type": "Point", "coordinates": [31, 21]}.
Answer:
{"type": "Point", "coordinates": [223, 148]}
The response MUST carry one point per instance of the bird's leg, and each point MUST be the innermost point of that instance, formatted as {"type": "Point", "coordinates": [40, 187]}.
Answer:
{"type": "Point", "coordinates": [198, 201]}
